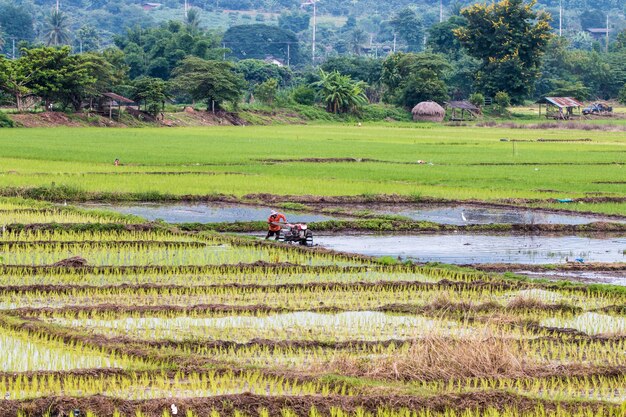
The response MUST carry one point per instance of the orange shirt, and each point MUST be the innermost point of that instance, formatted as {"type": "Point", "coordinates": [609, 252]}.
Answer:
{"type": "Point", "coordinates": [275, 218]}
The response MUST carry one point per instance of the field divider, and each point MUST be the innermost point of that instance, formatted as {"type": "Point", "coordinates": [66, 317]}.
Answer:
{"type": "Point", "coordinates": [321, 286]}
{"type": "Point", "coordinates": [300, 406]}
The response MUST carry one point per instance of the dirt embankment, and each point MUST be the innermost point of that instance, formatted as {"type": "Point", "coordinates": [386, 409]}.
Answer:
{"type": "Point", "coordinates": [59, 119]}
{"type": "Point", "coordinates": [188, 117]}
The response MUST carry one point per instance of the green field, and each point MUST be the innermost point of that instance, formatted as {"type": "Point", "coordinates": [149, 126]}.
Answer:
{"type": "Point", "coordinates": [104, 315]}
{"type": "Point", "coordinates": [461, 162]}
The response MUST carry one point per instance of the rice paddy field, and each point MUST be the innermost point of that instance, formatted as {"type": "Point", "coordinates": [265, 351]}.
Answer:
{"type": "Point", "coordinates": [534, 166]}
{"type": "Point", "coordinates": [104, 314]}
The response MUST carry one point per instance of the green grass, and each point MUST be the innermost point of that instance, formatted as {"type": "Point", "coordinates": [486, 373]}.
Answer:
{"type": "Point", "coordinates": [461, 162]}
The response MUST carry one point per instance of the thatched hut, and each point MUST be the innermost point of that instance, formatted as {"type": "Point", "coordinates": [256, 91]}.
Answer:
{"type": "Point", "coordinates": [428, 111]}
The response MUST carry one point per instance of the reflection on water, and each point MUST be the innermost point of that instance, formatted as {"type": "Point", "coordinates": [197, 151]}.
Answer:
{"type": "Point", "coordinates": [470, 248]}
{"type": "Point", "coordinates": [206, 213]}
{"type": "Point", "coordinates": [460, 215]}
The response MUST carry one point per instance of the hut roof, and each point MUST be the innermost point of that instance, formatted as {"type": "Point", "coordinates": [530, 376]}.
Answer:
{"type": "Point", "coordinates": [562, 102]}
{"type": "Point", "coordinates": [118, 98]}
{"type": "Point", "coordinates": [428, 108]}
{"type": "Point", "coordinates": [463, 105]}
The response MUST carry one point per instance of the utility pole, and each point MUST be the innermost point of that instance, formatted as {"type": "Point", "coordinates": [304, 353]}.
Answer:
{"type": "Point", "coordinates": [288, 54]}
{"type": "Point", "coordinates": [607, 33]}
{"type": "Point", "coordinates": [58, 6]}
{"type": "Point", "coordinates": [13, 53]}
{"type": "Point", "coordinates": [394, 43]}
{"type": "Point", "coordinates": [186, 8]}
{"type": "Point", "coordinates": [560, 17]}
{"type": "Point", "coordinates": [314, 4]}
{"type": "Point", "coordinates": [440, 11]}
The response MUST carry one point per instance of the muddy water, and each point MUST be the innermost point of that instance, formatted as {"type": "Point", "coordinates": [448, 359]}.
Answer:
{"type": "Point", "coordinates": [467, 214]}
{"type": "Point", "coordinates": [207, 213]}
{"type": "Point", "coordinates": [472, 248]}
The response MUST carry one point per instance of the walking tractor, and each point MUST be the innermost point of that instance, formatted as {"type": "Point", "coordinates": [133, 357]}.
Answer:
{"type": "Point", "coordinates": [296, 233]}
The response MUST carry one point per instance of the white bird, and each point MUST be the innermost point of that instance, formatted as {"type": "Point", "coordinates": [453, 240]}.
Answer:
{"type": "Point", "coordinates": [65, 203]}
{"type": "Point", "coordinates": [174, 409]}
{"type": "Point", "coordinates": [463, 216]}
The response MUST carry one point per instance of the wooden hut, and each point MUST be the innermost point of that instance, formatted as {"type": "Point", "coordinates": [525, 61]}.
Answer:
{"type": "Point", "coordinates": [107, 102]}
{"type": "Point", "coordinates": [428, 111]}
{"type": "Point", "coordinates": [561, 108]}
{"type": "Point", "coordinates": [462, 110]}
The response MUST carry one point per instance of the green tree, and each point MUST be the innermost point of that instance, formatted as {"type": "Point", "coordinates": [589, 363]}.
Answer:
{"type": "Point", "coordinates": [622, 95]}
{"type": "Point", "coordinates": [17, 21]}
{"type": "Point", "coordinates": [214, 82]}
{"type": "Point", "coordinates": [87, 39]}
{"type": "Point", "coordinates": [441, 37]}
{"type": "Point", "coordinates": [260, 41]}
{"type": "Point", "coordinates": [256, 71]}
{"type": "Point", "coordinates": [192, 20]}
{"type": "Point", "coordinates": [267, 90]}
{"type": "Point", "coordinates": [412, 78]}
{"type": "Point", "coordinates": [15, 76]}
{"type": "Point", "coordinates": [60, 77]}
{"type": "Point", "coordinates": [339, 92]}
{"type": "Point", "coordinates": [409, 27]}
{"type": "Point", "coordinates": [356, 40]}
{"type": "Point", "coordinates": [509, 38]}
{"type": "Point", "coordinates": [57, 29]}
{"type": "Point", "coordinates": [501, 102]}
{"type": "Point", "coordinates": [294, 21]}
{"type": "Point", "coordinates": [152, 92]}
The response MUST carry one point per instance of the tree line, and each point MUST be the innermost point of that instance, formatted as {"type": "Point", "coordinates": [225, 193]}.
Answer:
{"type": "Point", "coordinates": [506, 47]}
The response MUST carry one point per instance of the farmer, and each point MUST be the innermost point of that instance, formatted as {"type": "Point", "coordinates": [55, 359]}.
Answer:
{"type": "Point", "coordinates": [274, 224]}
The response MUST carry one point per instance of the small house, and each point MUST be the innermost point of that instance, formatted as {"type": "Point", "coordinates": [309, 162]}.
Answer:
{"type": "Point", "coordinates": [560, 108]}
{"type": "Point", "coordinates": [462, 110]}
{"type": "Point", "coordinates": [106, 103]}
{"type": "Point", "coordinates": [150, 6]}
{"type": "Point", "coordinates": [599, 33]}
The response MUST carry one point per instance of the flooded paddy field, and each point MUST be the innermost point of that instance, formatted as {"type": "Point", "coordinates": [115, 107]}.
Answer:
{"type": "Point", "coordinates": [460, 248]}
{"type": "Point", "coordinates": [207, 213]}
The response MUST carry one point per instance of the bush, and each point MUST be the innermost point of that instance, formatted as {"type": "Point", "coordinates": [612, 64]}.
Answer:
{"type": "Point", "coordinates": [502, 102]}
{"type": "Point", "coordinates": [304, 95]}
{"type": "Point", "coordinates": [5, 121]}
{"type": "Point", "coordinates": [477, 100]}
{"type": "Point", "coordinates": [622, 95]}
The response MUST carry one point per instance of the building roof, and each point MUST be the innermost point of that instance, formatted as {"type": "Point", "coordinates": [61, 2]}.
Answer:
{"type": "Point", "coordinates": [598, 30]}
{"type": "Point", "coordinates": [118, 98]}
{"type": "Point", "coordinates": [562, 102]}
{"type": "Point", "coordinates": [463, 105]}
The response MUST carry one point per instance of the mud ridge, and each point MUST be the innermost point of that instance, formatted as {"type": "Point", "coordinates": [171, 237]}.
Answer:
{"type": "Point", "coordinates": [257, 267]}
{"type": "Point", "coordinates": [433, 308]}
{"type": "Point", "coordinates": [316, 286]}
{"type": "Point", "coordinates": [594, 266]}
{"type": "Point", "coordinates": [251, 405]}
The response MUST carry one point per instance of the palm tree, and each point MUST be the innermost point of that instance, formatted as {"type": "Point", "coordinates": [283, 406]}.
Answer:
{"type": "Point", "coordinates": [57, 32]}
{"type": "Point", "coordinates": [192, 20]}
{"type": "Point", "coordinates": [340, 93]}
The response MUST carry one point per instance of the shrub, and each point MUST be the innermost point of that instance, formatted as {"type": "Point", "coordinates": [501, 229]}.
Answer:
{"type": "Point", "coordinates": [5, 121]}
{"type": "Point", "coordinates": [502, 102]}
{"type": "Point", "coordinates": [304, 95]}
{"type": "Point", "coordinates": [477, 100]}
{"type": "Point", "coordinates": [622, 95]}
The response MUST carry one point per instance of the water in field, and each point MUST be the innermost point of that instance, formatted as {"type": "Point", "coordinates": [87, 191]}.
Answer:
{"type": "Point", "coordinates": [207, 212]}
{"type": "Point", "coordinates": [601, 277]}
{"type": "Point", "coordinates": [470, 248]}
{"type": "Point", "coordinates": [467, 214]}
